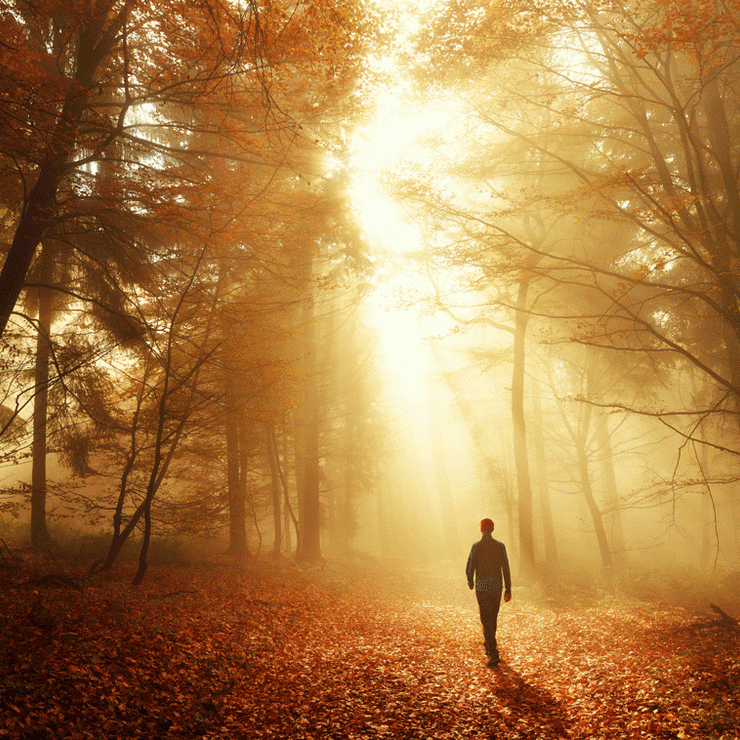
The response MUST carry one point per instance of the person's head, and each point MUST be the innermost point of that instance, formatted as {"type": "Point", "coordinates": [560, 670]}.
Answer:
{"type": "Point", "coordinates": [486, 526]}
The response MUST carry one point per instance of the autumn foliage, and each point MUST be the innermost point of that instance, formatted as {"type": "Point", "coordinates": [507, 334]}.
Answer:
{"type": "Point", "coordinates": [349, 652]}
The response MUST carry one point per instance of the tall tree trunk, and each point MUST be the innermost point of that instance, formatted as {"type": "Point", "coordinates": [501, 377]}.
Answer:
{"type": "Point", "coordinates": [39, 528]}
{"type": "Point", "coordinates": [611, 494]}
{"type": "Point", "coordinates": [288, 511]}
{"type": "Point", "coordinates": [579, 434]}
{"type": "Point", "coordinates": [726, 226]}
{"type": "Point", "coordinates": [551, 552]}
{"type": "Point", "coordinates": [244, 449]}
{"type": "Point", "coordinates": [596, 517]}
{"type": "Point", "coordinates": [146, 541]}
{"type": "Point", "coordinates": [94, 42]}
{"type": "Point", "coordinates": [524, 484]}
{"type": "Point", "coordinates": [118, 539]}
{"type": "Point", "coordinates": [237, 506]}
{"type": "Point", "coordinates": [35, 220]}
{"type": "Point", "coordinates": [277, 514]}
{"type": "Point", "coordinates": [309, 492]}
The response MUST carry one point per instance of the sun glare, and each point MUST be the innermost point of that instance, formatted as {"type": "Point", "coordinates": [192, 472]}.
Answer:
{"type": "Point", "coordinates": [380, 151]}
{"type": "Point", "coordinates": [394, 144]}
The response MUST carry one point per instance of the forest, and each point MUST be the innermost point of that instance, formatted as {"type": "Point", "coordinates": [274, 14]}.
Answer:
{"type": "Point", "coordinates": [296, 292]}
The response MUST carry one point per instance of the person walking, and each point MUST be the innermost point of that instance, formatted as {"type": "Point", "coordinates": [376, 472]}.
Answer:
{"type": "Point", "coordinates": [488, 572]}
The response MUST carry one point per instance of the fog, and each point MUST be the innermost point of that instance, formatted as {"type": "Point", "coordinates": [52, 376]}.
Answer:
{"type": "Point", "coordinates": [426, 267]}
{"type": "Point", "coordinates": [450, 463]}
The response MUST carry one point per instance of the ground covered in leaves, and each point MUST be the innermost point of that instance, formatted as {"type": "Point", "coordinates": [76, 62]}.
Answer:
{"type": "Point", "coordinates": [348, 652]}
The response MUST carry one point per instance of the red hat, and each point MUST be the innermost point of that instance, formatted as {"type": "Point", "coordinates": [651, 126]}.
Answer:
{"type": "Point", "coordinates": [486, 526]}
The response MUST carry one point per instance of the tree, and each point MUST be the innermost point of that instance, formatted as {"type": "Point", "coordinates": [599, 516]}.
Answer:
{"type": "Point", "coordinates": [550, 541]}
{"type": "Point", "coordinates": [168, 394]}
{"type": "Point", "coordinates": [627, 111]}
{"type": "Point", "coordinates": [579, 430]}
{"type": "Point", "coordinates": [150, 132]}
{"type": "Point", "coordinates": [77, 150]}
{"type": "Point", "coordinates": [39, 531]}
{"type": "Point", "coordinates": [81, 78]}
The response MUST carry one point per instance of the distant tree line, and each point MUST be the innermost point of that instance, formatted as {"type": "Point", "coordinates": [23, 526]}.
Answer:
{"type": "Point", "coordinates": [590, 199]}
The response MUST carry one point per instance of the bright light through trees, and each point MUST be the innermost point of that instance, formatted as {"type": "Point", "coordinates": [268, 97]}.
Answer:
{"type": "Point", "coordinates": [377, 270]}
{"type": "Point", "coordinates": [525, 187]}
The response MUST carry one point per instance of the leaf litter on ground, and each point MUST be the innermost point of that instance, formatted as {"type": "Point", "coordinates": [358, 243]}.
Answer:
{"type": "Point", "coordinates": [349, 651]}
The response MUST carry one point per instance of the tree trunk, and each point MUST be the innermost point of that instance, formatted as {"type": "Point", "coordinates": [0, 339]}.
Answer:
{"type": "Point", "coordinates": [277, 514]}
{"type": "Point", "coordinates": [308, 459]}
{"type": "Point", "coordinates": [39, 209]}
{"type": "Point", "coordinates": [243, 433]}
{"type": "Point", "coordinates": [39, 529]}
{"type": "Point", "coordinates": [596, 518]}
{"type": "Point", "coordinates": [524, 484]}
{"type": "Point", "coordinates": [288, 511]}
{"type": "Point", "coordinates": [237, 508]}
{"type": "Point", "coordinates": [551, 552]}
{"type": "Point", "coordinates": [146, 541]}
{"type": "Point", "coordinates": [611, 494]}
{"type": "Point", "coordinates": [34, 221]}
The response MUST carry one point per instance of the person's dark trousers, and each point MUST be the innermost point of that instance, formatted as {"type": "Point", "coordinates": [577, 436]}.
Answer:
{"type": "Point", "coordinates": [489, 603]}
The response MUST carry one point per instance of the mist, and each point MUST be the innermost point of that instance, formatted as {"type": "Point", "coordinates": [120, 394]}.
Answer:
{"type": "Point", "coordinates": [506, 294]}
{"type": "Point", "coordinates": [369, 369]}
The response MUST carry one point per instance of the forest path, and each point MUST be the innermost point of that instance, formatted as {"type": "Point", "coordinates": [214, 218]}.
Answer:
{"type": "Point", "coordinates": [403, 658]}
{"type": "Point", "coordinates": [359, 652]}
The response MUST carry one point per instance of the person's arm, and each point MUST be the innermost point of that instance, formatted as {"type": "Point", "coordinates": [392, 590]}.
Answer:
{"type": "Point", "coordinates": [507, 573]}
{"type": "Point", "coordinates": [470, 568]}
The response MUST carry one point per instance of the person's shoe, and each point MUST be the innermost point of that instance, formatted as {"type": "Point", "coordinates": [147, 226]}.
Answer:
{"type": "Point", "coordinates": [493, 661]}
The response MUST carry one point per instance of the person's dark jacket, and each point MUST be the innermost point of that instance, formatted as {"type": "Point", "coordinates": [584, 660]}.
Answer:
{"type": "Point", "coordinates": [486, 564]}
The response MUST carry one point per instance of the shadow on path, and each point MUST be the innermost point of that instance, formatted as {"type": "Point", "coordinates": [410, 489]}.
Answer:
{"type": "Point", "coordinates": [529, 705]}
